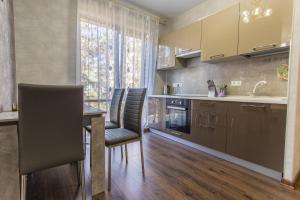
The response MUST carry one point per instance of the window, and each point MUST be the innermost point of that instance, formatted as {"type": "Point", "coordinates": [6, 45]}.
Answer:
{"type": "Point", "coordinates": [97, 69]}
{"type": "Point", "coordinates": [109, 59]}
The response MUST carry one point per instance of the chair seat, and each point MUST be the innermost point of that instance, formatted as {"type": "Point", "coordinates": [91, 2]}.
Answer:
{"type": "Point", "coordinates": [108, 125]}
{"type": "Point", "coordinates": [119, 135]}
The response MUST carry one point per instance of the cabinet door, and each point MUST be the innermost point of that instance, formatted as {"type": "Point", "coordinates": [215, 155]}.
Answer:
{"type": "Point", "coordinates": [189, 37]}
{"type": "Point", "coordinates": [256, 133]}
{"type": "Point", "coordinates": [166, 51]}
{"type": "Point", "coordinates": [264, 25]}
{"type": "Point", "coordinates": [220, 34]}
{"type": "Point", "coordinates": [156, 113]}
{"type": "Point", "coordinates": [208, 126]}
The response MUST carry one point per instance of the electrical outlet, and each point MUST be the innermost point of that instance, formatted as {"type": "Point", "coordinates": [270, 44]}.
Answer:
{"type": "Point", "coordinates": [236, 83]}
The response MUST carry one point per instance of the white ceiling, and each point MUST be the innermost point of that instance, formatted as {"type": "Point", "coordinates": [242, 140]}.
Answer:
{"type": "Point", "coordinates": [166, 8]}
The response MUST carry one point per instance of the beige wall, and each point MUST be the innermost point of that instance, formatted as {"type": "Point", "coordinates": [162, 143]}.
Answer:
{"type": "Point", "coordinates": [7, 62]}
{"type": "Point", "coordinates": [292, 143]}
{"type": "Point", "coordinates": [45, 41]}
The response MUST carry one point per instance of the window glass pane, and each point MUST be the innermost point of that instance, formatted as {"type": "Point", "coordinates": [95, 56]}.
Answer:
{"type": "Point", "coordinates": [108, 56]}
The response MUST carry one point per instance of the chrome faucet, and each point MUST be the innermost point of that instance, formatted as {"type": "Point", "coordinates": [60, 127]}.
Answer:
{"type": "Point", "coordinates": [256, 85]}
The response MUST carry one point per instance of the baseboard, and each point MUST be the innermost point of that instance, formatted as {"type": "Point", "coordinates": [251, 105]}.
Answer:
{"type": "Point", "coordinates": [290, 184]}
{"type": "Point", "coordinates": [252, 166]}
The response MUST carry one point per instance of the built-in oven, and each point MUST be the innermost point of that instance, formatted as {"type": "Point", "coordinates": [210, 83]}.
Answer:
{"type": "Point", "coordinates": [178, 115]}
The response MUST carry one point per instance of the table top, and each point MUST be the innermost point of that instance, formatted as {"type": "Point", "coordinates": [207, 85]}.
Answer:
{"type": "Point", "coordinates": [12, 117]}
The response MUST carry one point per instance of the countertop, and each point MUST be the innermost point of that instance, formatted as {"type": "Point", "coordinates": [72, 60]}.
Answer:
{"type": "Point", "coordinates": [246, 99]}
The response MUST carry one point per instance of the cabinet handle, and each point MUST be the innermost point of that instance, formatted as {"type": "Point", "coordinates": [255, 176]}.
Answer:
{"type": "Point", "coordinates": [177, 108]}
{"type": "Point", "coordinates": [185, 50]}
{"type": "Point", "coordinates": [212, 116]}
{"type": "Point", "coordinates": [253, 106]}
{"type": "Point", "coordinates": [264, 47]}
{"type": "Point", "coordinates": [207, 103]}
{"type": "Point", "coordinates": [231, 123]}
{"type": "Point", "coordinates": [217, 56]}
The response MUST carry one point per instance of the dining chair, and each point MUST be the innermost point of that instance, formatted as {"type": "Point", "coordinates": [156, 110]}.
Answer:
{"type": "Point", "coordinates": [132, 131]}
{"type": "Point", "coordinates": [114, 112]}
{"type": "Point", "coordinates": [49, 129]}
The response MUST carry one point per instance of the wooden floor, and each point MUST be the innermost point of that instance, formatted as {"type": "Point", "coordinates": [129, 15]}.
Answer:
{"type": "Point", "coordinates": [173, 171]}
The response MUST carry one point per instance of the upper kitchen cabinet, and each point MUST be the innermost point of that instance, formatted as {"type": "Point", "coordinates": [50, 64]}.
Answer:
{"type": "Point", "coordinates": [220, 34]}
{"type": "Point", "coordinates": [166, 51]}
{"type": "Point", "coordinates": [264, 25]}
{"type": "Point", "coordinates": [188, 39]}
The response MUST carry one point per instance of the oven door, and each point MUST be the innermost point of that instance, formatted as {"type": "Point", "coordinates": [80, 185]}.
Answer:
{"type": "Point", "coordinates": [178, 119]}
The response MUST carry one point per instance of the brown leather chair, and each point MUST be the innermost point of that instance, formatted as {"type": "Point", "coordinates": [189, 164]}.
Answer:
{"type": "Point", "coordinates": [132, 131]}
{"type": "Point", "coordinates": [50, 129]}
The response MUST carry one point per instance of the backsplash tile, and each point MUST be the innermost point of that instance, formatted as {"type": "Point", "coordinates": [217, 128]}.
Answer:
{"type": "Point", "coordinates": [247, 70]}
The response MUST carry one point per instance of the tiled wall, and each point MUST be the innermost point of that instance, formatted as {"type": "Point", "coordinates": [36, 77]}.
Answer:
{"type": "Point", "coordinates": [249, 71]}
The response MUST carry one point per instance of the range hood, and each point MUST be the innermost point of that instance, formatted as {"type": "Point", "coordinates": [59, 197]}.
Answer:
{"type": "Point", "coordinates": [267, 52]}
{"type": "Point", "coordinates": [188, 54]}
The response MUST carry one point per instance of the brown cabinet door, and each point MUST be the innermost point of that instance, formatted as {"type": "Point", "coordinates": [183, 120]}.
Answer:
{"type": "Point", "coordinates": [256, 133]}
{"type": "Point", "coordinates": [156, 113]}
{"type": "Point", "coordinates": [208, 124]}
{"type": "Point", "coordinates": [264, 24]}
{"type": "Point", "coordinates": [220, 34]}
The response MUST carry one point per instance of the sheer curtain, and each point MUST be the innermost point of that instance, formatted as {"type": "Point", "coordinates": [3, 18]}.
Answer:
{"type": "Point", "coordinates": [118, 49]}
{"type": "Point", "coordinates": [7, 64]}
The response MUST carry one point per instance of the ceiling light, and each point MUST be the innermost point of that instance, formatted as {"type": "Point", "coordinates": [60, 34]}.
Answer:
{"type": "Point", "coordinates": [257, 11]}
{"type": "Point", "coordinates": [268, 12]}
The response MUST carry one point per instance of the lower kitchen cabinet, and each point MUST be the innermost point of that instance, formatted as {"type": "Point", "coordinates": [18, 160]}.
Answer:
{"type": "Point", "coordinates": [208, 124]}
{"type": "Point", "coordinates": [157, 113]}
{"type": "Point", "coordinates": [256, 133]}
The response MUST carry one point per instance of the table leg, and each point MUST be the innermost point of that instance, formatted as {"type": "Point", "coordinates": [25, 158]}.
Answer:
{"type": "Point", "coordinates": [98, 155]}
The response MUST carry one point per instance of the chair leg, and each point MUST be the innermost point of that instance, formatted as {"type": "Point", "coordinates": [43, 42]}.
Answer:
{"type": "Point", "coordinates": [82, 173]}
{"type": "Point", "coordinates": [84, 141]}
{"type": "Point", "coordinates": [142, 156]}
{"type": "Point", "coordinates": [78, 170]}
{"type": "Point", "coordinates": [126, 153]}
{"type": "Point", "coordinates": [109, 168]}
{"type": "Point", "coordinates": [23, 186]}
{"type": "Point", "coordinates": [122, 151]}
{"type": "Point", "coordinates": [91, 146]}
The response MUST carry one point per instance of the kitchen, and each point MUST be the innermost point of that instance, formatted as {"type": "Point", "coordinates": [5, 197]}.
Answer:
{"type": "Point", "coordinates": [225, 86]}
{"type": "Point", "coordinates": [150, 99]}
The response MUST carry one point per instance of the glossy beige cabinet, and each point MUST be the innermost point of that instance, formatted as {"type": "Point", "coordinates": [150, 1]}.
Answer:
{"type": "Point", "coordinates": [157, 113]}
{"type": "Point", "coordinates": [220, 34]}
{"type": "Point", "coordinates": [264, 26]}
{"type": "Point", "coordinates": [189, 38]}
{"type": "Point", "coordinates": [166, 51]}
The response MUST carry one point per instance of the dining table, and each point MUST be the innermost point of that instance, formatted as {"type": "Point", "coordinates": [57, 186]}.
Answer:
{"type": "Point", "coordinates": [8, 125]}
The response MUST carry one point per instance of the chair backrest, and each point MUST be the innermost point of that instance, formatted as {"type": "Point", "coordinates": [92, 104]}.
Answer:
{"type": "Point", "coordinates": [50, 126]}
{"type": "Point", "coordinates": [115, 106]}
{"type": "Point", "coordinates": [134, 109]}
